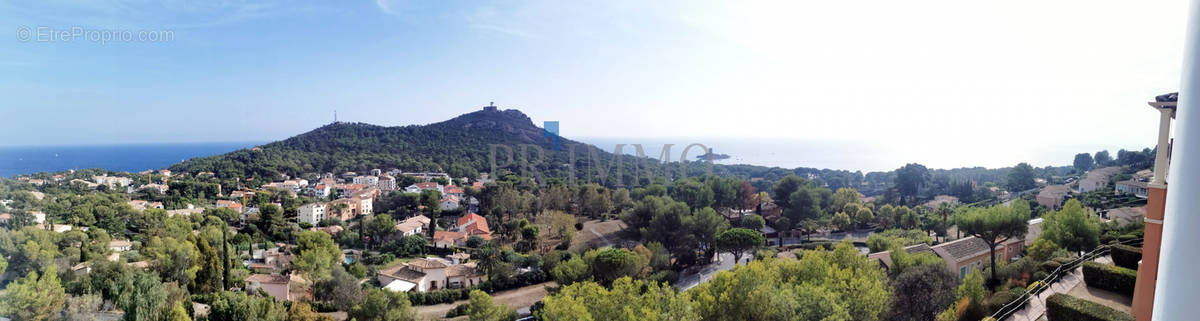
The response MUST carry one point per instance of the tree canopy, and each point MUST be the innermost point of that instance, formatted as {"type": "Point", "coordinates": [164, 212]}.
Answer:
{"type": "Point", "coordinates": [738, 241]}
{"type": "Point", "coordinates": [1072, 227]}
{"type": "Point", "coordinates": [995, 225]}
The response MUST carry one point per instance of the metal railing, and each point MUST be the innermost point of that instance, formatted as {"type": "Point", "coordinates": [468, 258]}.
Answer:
{"type": "Point", "coordinates": [1041, 285]}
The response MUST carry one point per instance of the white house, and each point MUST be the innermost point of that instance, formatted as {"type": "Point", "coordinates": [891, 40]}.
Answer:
{"type": "Point", "coordinates": [120, 245]}
{"type": "Point", "coordinates": [387, 183]}
{"type": "Point", "coordinates": [162, 189]}
{"type": "Point", "coordinates": [413, 226]}
{"type": "Point", "coordinates": [367, 180]}
{"type": "Point", "coordinates": [367, 205]}
{"type": "Point", "coordinates": [449, 202]}
{"type": "Point", "coordinates": [112, 181]}
{"type": "Point", "coordinates": [311, 213]}
{"type": "Point", "coordinates": [429, 274]}
{"type": "Point", "coordinates": [418, 187]}
{"type": "Point", "coordinates": [322, 190]}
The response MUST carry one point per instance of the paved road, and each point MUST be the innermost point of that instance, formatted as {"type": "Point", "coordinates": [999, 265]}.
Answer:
{"type": "Point", "coordinates": [690, 279]}
{"type": "Point", "coordinates": [519, 299]}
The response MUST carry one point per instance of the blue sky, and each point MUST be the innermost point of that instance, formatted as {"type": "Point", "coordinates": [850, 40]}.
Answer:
{"type": "Point", "coordinates": [1013, 76]}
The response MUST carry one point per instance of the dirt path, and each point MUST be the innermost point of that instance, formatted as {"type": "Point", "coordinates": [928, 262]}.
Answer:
{"type": "Point", "coordinates": [597, 234]}
{"type": "Point", "coordinates": [515, 298]}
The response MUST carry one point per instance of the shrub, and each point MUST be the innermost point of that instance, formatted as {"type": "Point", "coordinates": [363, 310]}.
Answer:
{"type": "Point", "coordinates": [379, 259]}
{"type": "Point", "coordinates": [1064, 260]}
{"type": "Point", "coordinates": [949, 314]}
{"type": "Point", "coordinates": [1126, 256]}
{"type": "Point", "coordinates": [998, 300]}
{"type": "Point", "coordinates": [1040, 275]}
{"type": "Point", "coordinates": [1049, 266]}
{"type": "Point", "coordinates": [764, 254]}
{"type": "Point", "coordinates": [1018, 269]}
{"type": "Point", "coordinates": [1126, 237]}
{"type": "Point", "coordinates": [321, 306]}
{"type": "Point", "coordinates": [1062, 307]}
{"type": "Point", "coordinates": [1107, 238]}
{"type": "Point", "coordinates": [438, 297]}
{"type": "Point", "coordinates": [521, 280]}
{"type": "Point", "coordinates": [812, 245]}
{"type": "Point", "coordinates": [666, 276]}
{"type": "Point", "coordinates": [1017, 292]}
{"type": "Point", "coordinates": [459, 310]}
{"type": "Point", "coordinates": [1109, 277]}
{"type": "Point", "coordinates": [1042, 249]}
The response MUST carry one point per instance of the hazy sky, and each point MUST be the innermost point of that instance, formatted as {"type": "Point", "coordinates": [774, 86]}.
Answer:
{"type": "Point", "coordinates": [1014, 75]}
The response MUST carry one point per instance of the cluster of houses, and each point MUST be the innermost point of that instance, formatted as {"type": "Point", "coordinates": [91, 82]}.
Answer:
{"type": "Point", "coordinates": [117, 247]}
{"type": "Point", "coordinates": [112, 182]}
{"type": "Point", "coordinates": [420, 275]}
{"type": "Point", "coordinates": [1053, 196]}
{"type": "Point", "coordinates": [466, 226]}
{"type": "Point", "coordinates": [1138, 185]}
{"type": "Point", "coordinates": [357, 197]}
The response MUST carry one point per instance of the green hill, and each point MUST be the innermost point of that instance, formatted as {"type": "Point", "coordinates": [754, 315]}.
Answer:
{"type": "Point", "coordinates": [460, 146]}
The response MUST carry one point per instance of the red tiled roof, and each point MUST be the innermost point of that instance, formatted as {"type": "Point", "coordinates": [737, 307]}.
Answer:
{"type": "Point", "coordinates": [462, 270]}
{"type": "Point", "coordinates": [447, 235]}
{"type": "Point", "coordinates": [472, 217]}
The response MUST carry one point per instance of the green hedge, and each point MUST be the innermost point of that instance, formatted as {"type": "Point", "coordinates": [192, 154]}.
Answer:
{"type": "Point", "coordinates": [1062, 307]}
{"type": "Point", "coordinates": [811, 245]}
{"type": "Point", "coordinates": [438, 297]}
{"type": "Point", "coordinates": [1109, 277]}
{"type": "Point", "coordinates": [1050, 266]}
{"type": "Point", "coordinates": [998, 300]}
{"type": "Point", "coordinates": [1126, 256]}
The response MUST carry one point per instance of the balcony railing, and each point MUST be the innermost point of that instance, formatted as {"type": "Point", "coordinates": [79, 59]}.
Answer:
{"type": "Point", "coordinates": [1019, 303]}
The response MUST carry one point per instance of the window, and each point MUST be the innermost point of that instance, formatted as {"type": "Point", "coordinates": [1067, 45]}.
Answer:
{"type": "Point", "coordinates": [962, 273]}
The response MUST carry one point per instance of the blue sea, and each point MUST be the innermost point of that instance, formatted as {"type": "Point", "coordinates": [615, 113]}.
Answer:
{"type": "Point", "coordinates": [131, 158]}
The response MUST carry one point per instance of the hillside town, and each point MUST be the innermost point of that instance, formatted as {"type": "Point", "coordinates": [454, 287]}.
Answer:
{"type": "Point", "coordinates": [421, 234]}
{"type": "Point", "coordinates": [443, 247]}
{"type": "Point", "coordinates": [1016, 243]}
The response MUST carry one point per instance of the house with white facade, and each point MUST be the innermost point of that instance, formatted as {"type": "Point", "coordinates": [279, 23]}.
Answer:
{"type": "Point", "coordinates": [112, 181]}
{"type": "Point", "coordinates": [369, 180]}
{"type": "Point", "coordinates": [322, 190]}
{"type": "Point", "coordinates": [311, 213]}
{"type": "Point", "coordinates": [429, 274]}
{"type": "Point", "coordinates": [387, 183]}
{"type": "Point", "coordinates": [449, 202]}
{"type": "Point", "coordinates": [413, 226]}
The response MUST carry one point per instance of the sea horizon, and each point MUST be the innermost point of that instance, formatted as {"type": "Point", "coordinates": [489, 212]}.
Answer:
{"type": "Point", "coordinates": [779, 152]}
{"type": "Point", "coordinates": [118, 157]}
